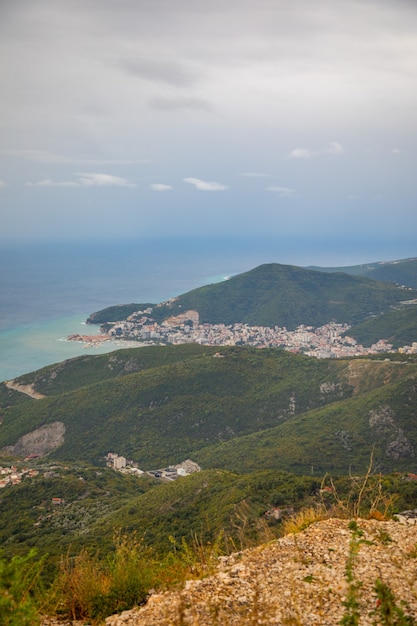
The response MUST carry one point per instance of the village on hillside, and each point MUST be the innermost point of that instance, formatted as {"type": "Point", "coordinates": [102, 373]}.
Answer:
{"type": "Point", "coordinates": [127, 466]}
{"type": "Point", "coordinates": [327, 341]}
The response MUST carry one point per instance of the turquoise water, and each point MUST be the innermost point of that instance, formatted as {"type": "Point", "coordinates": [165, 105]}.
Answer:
{"type": "Point", "coordinates": [48, 291]}
{"type": "Point", "coordinates": [25, 349]}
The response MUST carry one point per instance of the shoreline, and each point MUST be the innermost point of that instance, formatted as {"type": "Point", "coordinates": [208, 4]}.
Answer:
{"type": "Point", "coordinates": [25, 349]}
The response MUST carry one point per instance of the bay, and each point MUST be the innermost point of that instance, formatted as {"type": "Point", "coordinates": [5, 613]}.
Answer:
{"type": "Point", "coordinates": [49, 289]}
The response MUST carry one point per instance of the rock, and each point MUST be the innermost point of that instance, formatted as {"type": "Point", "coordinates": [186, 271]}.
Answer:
{"type": "Point", "coordinates": [298, 579]}
{"type": "Point", "coordinates": [39, 441]}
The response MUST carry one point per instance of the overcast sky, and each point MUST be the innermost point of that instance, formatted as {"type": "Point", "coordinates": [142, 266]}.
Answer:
{"type": "Point", "coordinates": [188, 117]}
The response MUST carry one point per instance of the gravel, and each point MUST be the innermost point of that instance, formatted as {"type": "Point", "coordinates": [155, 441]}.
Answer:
{"type": "Point", "coordinates": [299, 579]}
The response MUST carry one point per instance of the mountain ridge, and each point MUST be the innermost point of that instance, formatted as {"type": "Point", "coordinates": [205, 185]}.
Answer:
{"type": "Point", "coordinates": [275, 294]}
{"type": "Point", "coordinates": [210, 403]}
{"type": "Point", "coordinates": [400, 272]}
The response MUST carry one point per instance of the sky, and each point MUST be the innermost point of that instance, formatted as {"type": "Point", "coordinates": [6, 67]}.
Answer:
{"type": "Point", "coordinates": [264, 118]}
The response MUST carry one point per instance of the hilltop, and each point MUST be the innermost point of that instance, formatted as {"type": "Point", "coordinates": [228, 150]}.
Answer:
{"type": "Point", "coordinates": [401, 272]}
{"type": "Point", "coordinates": [274, 294]}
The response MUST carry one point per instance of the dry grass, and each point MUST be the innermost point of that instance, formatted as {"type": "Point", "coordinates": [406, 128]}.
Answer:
{"type": "Point", "coordinates": [303, 519]}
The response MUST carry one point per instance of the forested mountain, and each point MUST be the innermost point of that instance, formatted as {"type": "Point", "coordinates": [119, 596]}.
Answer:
{"type": "Point", "coordinates": [402, 272]}
{"type": "Point", "coordinates": [160, 405]}
{"type": "Point", "coordinates": [267, 427]}
{"type": "Point", "coordinates": [282, 295]}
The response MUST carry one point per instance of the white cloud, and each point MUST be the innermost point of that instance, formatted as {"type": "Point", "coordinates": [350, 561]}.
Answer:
{"type": "Point", "coordinates": [334, 147]}
{"type": "Point", "coordinates": [85, 180]}
{"type": "Point", "coordinates": [284, 192]}
{"type": "Point", "coordinates": [102, 180]}
{"type": "Point", "coordinates": [302, 153]}
{"type": "Point", "coordinates": [396, 151]}
{"type": "Point", "coordinates": [160, 187]}
{"type": "Point", "coordinates": [204, 185]}
{"type": "Point", "coordinates": [2, 184]}
{"type": "Point", "coordinates": [47, 182]}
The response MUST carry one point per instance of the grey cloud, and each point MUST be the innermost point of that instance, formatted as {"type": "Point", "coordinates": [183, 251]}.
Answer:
{"type": "Point", "coordinates": [212, 87]}
{"type": "Point", "coordinates": [175, 103]}
{"type": "Point", "coordinates": [161, 71]}
{"type": "Point", "coordinates": [42, 156]}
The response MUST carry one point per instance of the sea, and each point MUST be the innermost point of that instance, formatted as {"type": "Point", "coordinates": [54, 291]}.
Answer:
{"type": "Point", "coordinates": [48, 289]}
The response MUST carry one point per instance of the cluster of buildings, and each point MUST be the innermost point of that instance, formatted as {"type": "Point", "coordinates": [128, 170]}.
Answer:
{"type": "Point", "coordinates": [13, 476]}
{"type": "Point", "coordinates": [327, 341]}
{"type": "Point", "coordinates": [409, 349]}
{"type": "Point", "coordinates": [121, 464]}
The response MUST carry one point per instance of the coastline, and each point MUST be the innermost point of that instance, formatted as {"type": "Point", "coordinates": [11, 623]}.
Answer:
{"type": "Point", "coordinates": [26, 348]}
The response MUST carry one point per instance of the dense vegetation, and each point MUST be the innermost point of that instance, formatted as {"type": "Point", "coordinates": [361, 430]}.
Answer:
{"type": "Point", "coordinates": [114, 538]}
{"type": "Point", "coordinates": [403, 272]}
{"type": "Point", "coordinates": [336, 438]}
{"type": "Point", "coordinates": [265, 425]}
{"type": "Point", "coordinates": [89, 369]}
{"type": "Point", "coordinates": [281, 295]}
{"type": "Point", "coordinates": [165, 413]}
{"type": "Point", "coordinates": [235, 408]}
{"type": "Point", "coordinates": [398, 327]}
{"type": "Point", "coordinates": [115, 313]}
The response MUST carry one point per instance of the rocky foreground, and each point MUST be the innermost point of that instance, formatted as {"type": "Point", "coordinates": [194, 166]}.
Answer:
{"type": "Point", "coordinates": [299, 579]}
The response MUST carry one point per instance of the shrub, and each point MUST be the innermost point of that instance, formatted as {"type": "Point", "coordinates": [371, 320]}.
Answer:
{"type": "Point", "coordinates": [90, 588]}
{"type": "Point", "coordinates": [20, 590]}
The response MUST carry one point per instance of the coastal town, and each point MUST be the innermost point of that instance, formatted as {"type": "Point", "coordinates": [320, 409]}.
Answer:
{"type": "Point", "coordinates": [328, 341]}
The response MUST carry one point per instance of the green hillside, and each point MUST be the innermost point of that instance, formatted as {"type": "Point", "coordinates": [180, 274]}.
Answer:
{"type": "Point", "coordinates": [282, 295]}
{"type": "Point", "coordinates": [200, 402]}
{"type": "Point", "coordinates": [266, 426]}
{"type": "Point", "coordinates": [89, 369]}
{"type": "Point", "coordinates": [28, 516]}
{"type": "Point", "coordinates": [398, 327]}
{"type": "Point", "coordinates": [166, 412]}
{"type": "Point", "coordinates": [337, 438]}
{"type": "Point", "coordinates": [208, 505]}
{"type": "Point", "coordinates": [403, 272]}
{"type": "Point", "coordinates": [116, 312]}
{"type": "Point", "coordinates": [216, 501]}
